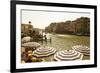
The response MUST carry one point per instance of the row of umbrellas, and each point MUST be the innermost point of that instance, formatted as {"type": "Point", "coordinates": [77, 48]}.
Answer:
{"type": "Point", "coordinates": [75, 53]}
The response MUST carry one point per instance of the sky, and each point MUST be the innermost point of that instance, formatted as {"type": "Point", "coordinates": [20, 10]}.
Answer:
{"type": "Point", "coordinates": [41, 19]}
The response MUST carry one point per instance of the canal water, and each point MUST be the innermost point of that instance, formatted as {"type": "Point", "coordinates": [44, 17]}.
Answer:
{"type": "Point", "coordinates": [62, 42]}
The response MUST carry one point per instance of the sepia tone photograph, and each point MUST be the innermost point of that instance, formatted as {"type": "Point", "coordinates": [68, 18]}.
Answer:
{"type": "Point", "coordinates": [52, 36]}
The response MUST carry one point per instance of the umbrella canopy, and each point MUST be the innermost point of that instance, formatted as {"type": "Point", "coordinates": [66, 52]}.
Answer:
{"type": "Point", "coordinates": [32, 45]}
{"type": "Point", "coordinates": [83, 49]}
{"type": "Point", "coordinates": [68, 55]}
{"type": "Point", "coordinates": [26, 39]}
{"type": "Point", "coordinates": [44, 51]}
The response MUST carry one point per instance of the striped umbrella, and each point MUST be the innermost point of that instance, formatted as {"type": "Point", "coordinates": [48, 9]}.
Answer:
{"type": "Point", "coordinates": [68, 55]}
{"type": "Point", "coordinates": [83, 49]}
{"type": "Point", "coordinates": [44, 51]}
{"type": "Point", "coordinates": [31, 45]}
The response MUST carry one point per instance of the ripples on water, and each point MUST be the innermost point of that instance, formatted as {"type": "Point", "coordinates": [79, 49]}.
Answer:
{"type": "Point", "coordinates": [66, 41]}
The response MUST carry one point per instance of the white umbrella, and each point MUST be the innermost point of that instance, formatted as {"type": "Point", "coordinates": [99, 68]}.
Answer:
{"type": "Point", "coordinates": [26, 39]}
{"type": "Point", "coordinates": [44, 51]}
{"type": "Point", "coordinates": [83, 49]}
{"type": "Point", "coordinates": [31, 45]}
{"type": "Point", "coordinates": [68, 55]}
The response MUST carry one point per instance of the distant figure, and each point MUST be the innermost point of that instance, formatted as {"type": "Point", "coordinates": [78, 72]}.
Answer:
{"type": "Point", "coordinates": [45, 38]}
{"type": "Point", "coordinates": [50, 39]}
